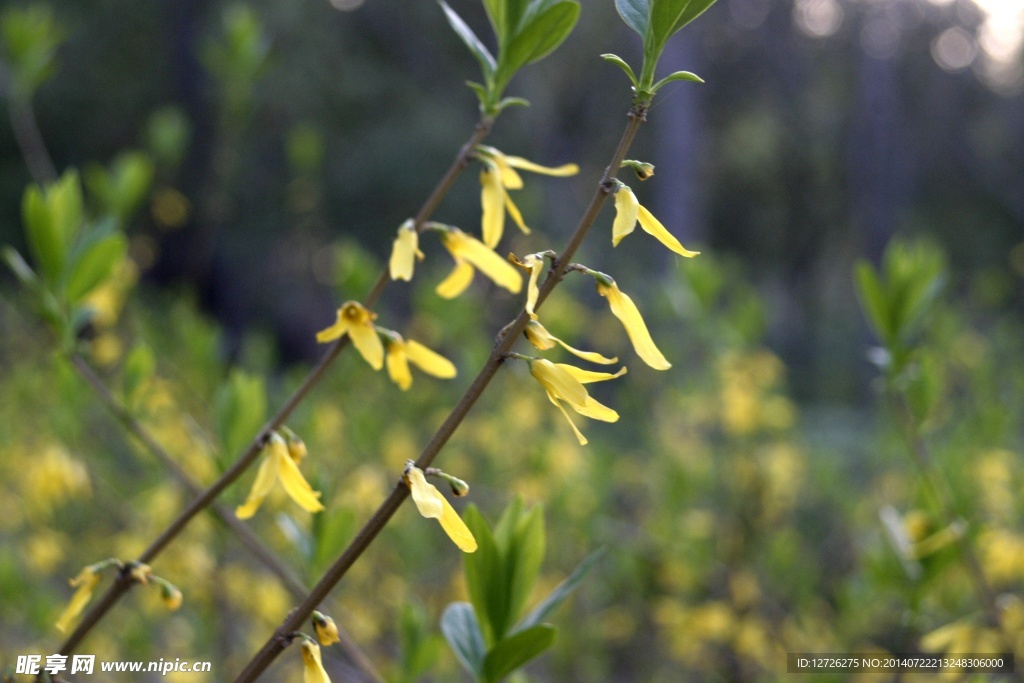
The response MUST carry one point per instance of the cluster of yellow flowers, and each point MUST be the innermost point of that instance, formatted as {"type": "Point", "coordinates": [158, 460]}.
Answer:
{"type": "Point", "coordinates": [89, 577]}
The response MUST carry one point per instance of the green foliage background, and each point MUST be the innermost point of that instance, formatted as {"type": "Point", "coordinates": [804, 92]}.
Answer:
{"type": "Point", "coordinates": [741, 497]}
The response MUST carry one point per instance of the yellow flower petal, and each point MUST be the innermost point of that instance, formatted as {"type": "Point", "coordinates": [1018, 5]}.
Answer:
{"type": "Point", "coordinates": [313, 667]}
{"type": "Point", "coordinates": [509, 178]}
{"type": "Point", "coordinates": [654, 227]}
{"type": "Point", "coordinates": [368, 344]}
{"type": "Point", "coordinates": [456, 529]}
{"type": "Point", "coordinates": [579, 435]}
{"type": "Point", "coordinates": [517, 217]}
{"type": "Point", "coordinates": [457, 281]}
{"type": "Point", "coordinates": [432, 505]}
{"type": "Point", "coordinates": [596, 410]}
{"type": "Point", "coordinates": [404, 252]}
{"type": "Point", "coordinates": [558, 382]}
{"type": "Point", "coordinates": [626, 211]}
{"type": "Point", "coordinates": [589, 376]}
{"type": "Point", "coordinates": [295, 485]}
{"type": "Point", "coordinates": [266, 475]}
{"type": "Point", "coordinates": [492, 199]}
{"type": "Point", "coordinates": [561, 171]}
{"type": "Point", "coordinates": [357, 322]}
{"type": "Point", "coordinates": [536, 266]}
{"type": "Point", "coordinates": [626, 311]}
{"type": "Point", "coordinates": [335, 331]}
{"type": "Point", "coordinates": [398, 365]}
{"type": "Point", "coordinates": [429, 361]}
{"type": "Point", "coordinates": [538, 335]}
{"type": "Point", "coordinates": [425, 495]}
{"type": "Point", "coordinates": [86, 582]}
{"type": "Point", "coordinates": [464, 247]}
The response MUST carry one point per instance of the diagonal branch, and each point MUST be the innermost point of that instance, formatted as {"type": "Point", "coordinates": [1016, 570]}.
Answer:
{"type": "Point", "coordinates": [207, 497]}
{"type": "Point", "coordinates": [509, 336]}
{"type": "Point", "coordinates": [246, 535]}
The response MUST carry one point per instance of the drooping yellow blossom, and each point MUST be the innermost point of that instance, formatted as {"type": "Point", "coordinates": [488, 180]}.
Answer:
{"type": "Point", "coordinates": [85, 582]}
{"type": "Point", "coordinates": [401, 352]}
{"type": "Point", "coordinates": [628, 212]}
{"type": "Point", "coordinates": [535, 264]}
{"type": "Point", "coordinates": [565, 383]}
{"type": "Point", "coordinates": [543, 340]}
{"type": "Point", "coordinates": [357, 322]}
{"type": "Point", "coordinates": [326, 629]}
{"type": "Point", "coordinates": [405, 252]}
{"type": "Point", "coordinates": [470, 253]}
{"type": "Point", "coordinates": [433, 505]}
{"type": "Point", "coordinates": [626, 311]}
{"type": "Point", "coordinates": [499, 176]}
{"type": "Point", "coordinates": [278, 464]}
{"type": "Point", "coordinates": [313, 666]}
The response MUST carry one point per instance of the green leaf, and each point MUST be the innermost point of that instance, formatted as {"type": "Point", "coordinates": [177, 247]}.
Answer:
{"type": "Point", "coordinates": [621, 63]}
{"type": "Point", "coordinates": [464, 32]}
{"type": "Point", "coordinates": [511, 102]}
{"type": "Point", "coordinates": [239, 411]}
{"type": "Point", "coordinates": [138, 369]}
{"type": "Point", "coordinates": [16, 262]}
{"type": "Point", "coordinates": [523, 559]}
{"type": "Point", "coordinates": [544, 26]}
{"type": "Point", "coordinates": [516, 650]}
{"type": "Point", "coordinates": [669, 16]}
{"type": "Point", "coordinates": [560, 593]}
{"type": "Point", "coordinates": [873, 301]}
{"type": "Point", "coordinates": [462, 631]}
{"type": "Point", "coordinates": [485, 576]}
{"type": "Point", "coordinates": [94, 265]}
{"type": "Point", "coordinates": [64, 201]}
{"type": "Point", "coordinates": [44, 241]}
{"type": "Point", "coordinates": [635, 13]}
{"type": "Point", "coordinates": [677, 76]}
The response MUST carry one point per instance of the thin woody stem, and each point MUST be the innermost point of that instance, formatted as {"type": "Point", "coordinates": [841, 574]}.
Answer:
{"type": "Point", "coordinates": [247, 536]}
{"type": "Point", "coordinates": [207, 497]}
{"type": "Point", "coordinates": [275, 644]}
{"type": "Point", "coordinates": [30, 142]}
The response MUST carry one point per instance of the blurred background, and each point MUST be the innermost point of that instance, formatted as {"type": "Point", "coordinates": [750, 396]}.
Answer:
{"type": "Point", "coordinates": [742, 493]}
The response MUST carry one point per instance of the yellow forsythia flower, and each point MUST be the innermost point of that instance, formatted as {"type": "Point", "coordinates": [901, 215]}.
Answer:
{"type": "Point", "coordinates": [313, 666]}
{"type": "Point", "coordinates": [499, 176]}
{"type": "Point", "coordinates": [626, 311]}
{"type": "Point", "coordinates": [401, 352]}
{"type": "Point", "coordinates": [278, 464]}
{"type": "Point", "coordinates": [470, 253]}
{"type": "Point", "coordinates": [433, 505]}
{"type": "Point", "coordinates": [85, 582]}
{"type": "Point", "coordinates": [543, 340]}
{"type": "Point", "coordinates": [326, 629]}
{"type": "Point", "coordinates": [565, 383]}
{"type": "Point", "coordinates": [357, 322]}
{"type": "Point", "coordinates": [535, 264]}
{"type": "Point", "coordinates": [405, 252]}
{"type": "Point", "coordinates": [628, 211]}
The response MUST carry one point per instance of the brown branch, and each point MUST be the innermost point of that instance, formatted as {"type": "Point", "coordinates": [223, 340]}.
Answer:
{"type": "Point", "coordinates": [247, 536]}
{"type": "Point", "coordinates": [206, 498]}
{"type": "Point", "coordinates": [278, 641]}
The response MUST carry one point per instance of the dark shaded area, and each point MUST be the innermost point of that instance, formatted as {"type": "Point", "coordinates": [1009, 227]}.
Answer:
{"type": "Point", "coordinates": [799, 154]}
